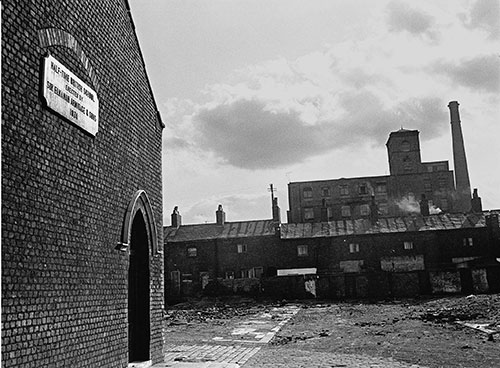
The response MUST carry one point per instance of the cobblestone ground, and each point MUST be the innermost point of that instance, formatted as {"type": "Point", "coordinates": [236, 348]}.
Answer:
{"type": "Point", "coordinates": [400, 334]}
{"type": "Point", "coordinates": [285, 358]}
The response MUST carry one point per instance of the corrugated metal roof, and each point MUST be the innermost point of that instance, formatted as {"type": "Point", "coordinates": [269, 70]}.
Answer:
{"type": "Point", "coordinates": [243, 229]}
{"type": "Point", "coordinates": [447, 221]}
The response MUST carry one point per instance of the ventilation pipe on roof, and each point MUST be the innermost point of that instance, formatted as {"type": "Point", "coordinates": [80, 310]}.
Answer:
{"type": "Point", "coordinates": [220, 216]}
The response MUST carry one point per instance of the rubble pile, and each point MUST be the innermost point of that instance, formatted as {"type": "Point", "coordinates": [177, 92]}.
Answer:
{"type": "Point", "coordinates": [212, 310]}
{"type": "Point", "coordinates": [485, 308]}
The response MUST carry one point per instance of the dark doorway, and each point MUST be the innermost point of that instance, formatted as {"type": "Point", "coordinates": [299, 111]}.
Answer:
{"type": "Point", "coordinates": [138, 292]}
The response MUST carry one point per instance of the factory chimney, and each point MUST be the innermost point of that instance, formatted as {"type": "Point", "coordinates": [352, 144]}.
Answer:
{"type": "Point", "coordinates": [462, 182]}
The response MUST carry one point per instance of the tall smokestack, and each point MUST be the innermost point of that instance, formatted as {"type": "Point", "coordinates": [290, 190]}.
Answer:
{"type": "Point", "coordinates": [462, 182]}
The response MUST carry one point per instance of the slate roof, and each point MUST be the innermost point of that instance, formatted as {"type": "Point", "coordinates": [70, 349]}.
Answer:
{"type": "Point", "coordinates": [243, 229]}
{"type": "Point", "coordinates": [446, 221]}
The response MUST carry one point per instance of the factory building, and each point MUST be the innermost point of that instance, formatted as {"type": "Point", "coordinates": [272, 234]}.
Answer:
{"type": "Point", "coordinates": [410, 181]}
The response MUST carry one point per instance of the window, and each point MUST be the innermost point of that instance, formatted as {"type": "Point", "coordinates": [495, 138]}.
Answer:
{"type": "Point", "coordinates": [363, 189]}
{"type": "Point", "coordinates": [442, 183]}
{"type": "Point", "coordinates": [258, 271]}
{"type": "Point", "coordinates": [325, 192]}
{"type": "Point", "coordinates": [353, 248]}
{"type": "Point", "coordinates": [192, 252]}
{"type": "Point", "coordinates": [242, 248]}
{"type": "Point", "coordinates": [229, 275]}
{"type": "Point", "coordinates": [408, 245]}
{"type": "Point", "coordinates": [329, 213]}
{"type": "Point", "coordinates": [307, 192]}
{"type": "Point", "coordinates": [346, 211]}
{"type": "Point", "coordinates": [344, 190]}
{"type": "Point", "coordinates": [468, 242]}
{"type": "Point", "coordinates": [381, 188]}
{"type": "Point", "coordinates": [302, 250]}
{"type": "Point", "coordinates": [427, 186]}
{"type": "Point", "coordinates": [405, 146]}
{"type": "Point", "coordinates": [308, 213]}
{"type": "Point", "coordinates": [364, 209]}
{"type": "Point", "coordinates": [244, 274]}
{"type": "Point", "coordinates": [383, 208]}
{"type": "Point", "coordinates": [407, 165]}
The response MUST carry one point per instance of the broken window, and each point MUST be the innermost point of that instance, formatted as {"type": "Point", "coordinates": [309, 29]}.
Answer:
{"type": "Point", "coordinates": [302, 250]}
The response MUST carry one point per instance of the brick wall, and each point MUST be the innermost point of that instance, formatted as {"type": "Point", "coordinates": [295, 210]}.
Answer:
{"type": "Point", "coordinates": [65, 192]}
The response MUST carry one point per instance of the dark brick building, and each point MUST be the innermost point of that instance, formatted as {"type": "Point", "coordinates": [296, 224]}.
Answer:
{"type": "Point", "coordinates": [396, 194]}
{"type": "Point", "coordinates": [400, 256]}
{"type": "Point", "coordinates": [197, 254]}
{"type": "Point", "coordinates": [82, 270]}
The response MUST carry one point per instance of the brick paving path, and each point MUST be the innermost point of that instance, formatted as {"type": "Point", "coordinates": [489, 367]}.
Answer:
{"type": "Point", "coordinates": [231, 350]}
{"type": "Point", "coordinates": [286, 358]}
{"type": "Point", "coordinates": [240, 345]}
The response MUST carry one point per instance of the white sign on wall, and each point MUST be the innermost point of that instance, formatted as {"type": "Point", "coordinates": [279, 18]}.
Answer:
{"type": "Point", "coordinates": [69, 96]}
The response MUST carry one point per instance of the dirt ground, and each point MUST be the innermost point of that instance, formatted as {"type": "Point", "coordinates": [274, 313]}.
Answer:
{"type": "Point", "coordinates": [423, 331]}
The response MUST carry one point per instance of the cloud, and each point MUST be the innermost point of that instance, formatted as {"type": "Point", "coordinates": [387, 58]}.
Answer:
{"type": "Point", "coordinates": [400, 17]}
{"type": "Point", "coordinates": [485, 15]}
{"type": "Point", "coordinates": [247, 135]}
{"type": "Point", "coordinates": [479, 73]}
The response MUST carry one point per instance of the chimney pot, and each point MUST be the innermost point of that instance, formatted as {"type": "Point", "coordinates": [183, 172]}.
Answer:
{"type": "Point", "coordinates": [220, 216]}
{"type": "Point", "coordinates": [176, 218]}
{"type": "Point", "coordinates": [476, 203]}
{"type": "Point", "coordinates": [424, 206]}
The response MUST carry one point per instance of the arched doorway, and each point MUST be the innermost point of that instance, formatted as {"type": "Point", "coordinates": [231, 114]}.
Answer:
{"type": "Point", "coordinates": [139, 238]}
{"type": "Point", "coordinates": [138, 294]}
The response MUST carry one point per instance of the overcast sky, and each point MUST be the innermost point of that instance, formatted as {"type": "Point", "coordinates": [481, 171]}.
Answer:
{"type": "Point", "coordinates": [255, 92]}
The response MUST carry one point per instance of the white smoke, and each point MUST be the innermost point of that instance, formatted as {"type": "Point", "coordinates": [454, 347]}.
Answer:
{"type": "Point", "coordinates": [409, 204]}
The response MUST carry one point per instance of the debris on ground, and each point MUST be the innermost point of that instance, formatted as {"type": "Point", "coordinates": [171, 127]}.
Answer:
{"type": "Point", "coordinates": [213, 310]}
